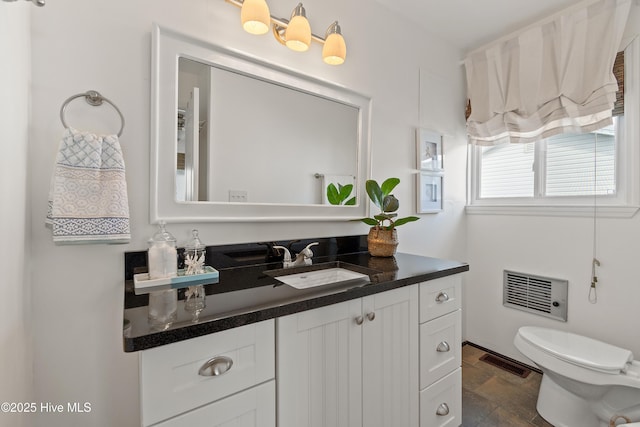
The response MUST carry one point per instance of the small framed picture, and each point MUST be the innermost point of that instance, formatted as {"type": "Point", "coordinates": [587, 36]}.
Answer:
{"type": "Point", "coordinates": [429, 150]}
{"type": "Point", "coordinates": [429, 192]}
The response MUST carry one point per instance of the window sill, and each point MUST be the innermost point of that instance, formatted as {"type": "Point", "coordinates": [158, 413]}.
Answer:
{"type": "Point", "coordinates": [548, 210]}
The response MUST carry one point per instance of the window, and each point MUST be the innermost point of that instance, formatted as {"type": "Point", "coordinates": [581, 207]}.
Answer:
{"type": "Point", "coordinates": [582, 164]}
{"type": "Point", "coordinates": [561, 166]}
{"type": "Point", "coordinates": [571, 171]}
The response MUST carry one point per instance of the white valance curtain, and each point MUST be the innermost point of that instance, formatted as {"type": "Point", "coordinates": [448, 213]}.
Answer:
{"type": "Point", "coordinates": [550, 79]}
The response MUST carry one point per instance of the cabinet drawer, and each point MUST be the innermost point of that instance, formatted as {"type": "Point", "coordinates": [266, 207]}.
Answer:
{"type": "Point", "coordinates": [170, 381]}
{"type": "Point", "coordinates": [440, 347]}
{"type": "Point", "coordinates": [440, 296]}
{"type": "Point", "coordinates": [255, 407]}
{"type": "Point", "coordinates": [441, 403]}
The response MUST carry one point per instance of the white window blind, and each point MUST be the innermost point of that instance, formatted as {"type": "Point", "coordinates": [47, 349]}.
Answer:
{"type": "Point", "coordinates": [551, 78]}
{"type": "Point", "coordinates": [555, 176]}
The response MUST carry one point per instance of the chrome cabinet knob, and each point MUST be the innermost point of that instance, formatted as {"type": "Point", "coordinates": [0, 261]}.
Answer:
{"type": "Point", "coordinates": [442, 297]}
{"type": "Point", "coordinates": [359, 320]}
{"type": "Point", "coordinates": [371, 315]}
{"type": "Point", "coordinates": [443, 347]}
{"type": "Point", "coordinates": [216, 366]}
{"type": "Point", "coordinates": [442, 410]}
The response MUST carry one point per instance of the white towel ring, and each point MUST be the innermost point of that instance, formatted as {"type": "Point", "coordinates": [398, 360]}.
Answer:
{"type": "Point", "coordinates": [93, 98]}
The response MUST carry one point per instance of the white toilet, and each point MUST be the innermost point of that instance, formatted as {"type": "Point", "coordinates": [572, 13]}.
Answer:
{"type": "Point", "coordinates": [586, 383]}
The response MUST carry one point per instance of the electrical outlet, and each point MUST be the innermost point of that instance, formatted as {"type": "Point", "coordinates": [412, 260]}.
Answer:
{"type": "Point", "coordinates": [238, 196]}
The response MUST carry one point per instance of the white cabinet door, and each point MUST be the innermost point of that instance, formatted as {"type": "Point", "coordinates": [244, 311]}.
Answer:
{"type": "Point", "coordinates": [255, 407]}
{"type": "Point", "coordinates": [390, 358]}
{"type": "Point", "coordinates": [319, 367]}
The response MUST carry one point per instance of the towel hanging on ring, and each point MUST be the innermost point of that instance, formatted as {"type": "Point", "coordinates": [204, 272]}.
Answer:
{"type": "Point", "coordinates": [88, 201]}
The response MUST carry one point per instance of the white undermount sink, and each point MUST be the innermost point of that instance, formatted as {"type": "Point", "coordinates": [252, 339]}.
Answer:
{"type": "Point", "coordinates": [327, 276]}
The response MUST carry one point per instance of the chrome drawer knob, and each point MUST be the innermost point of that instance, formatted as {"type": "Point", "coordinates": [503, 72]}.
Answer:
{"type": "Point", "coordinates": [442, 297]}
{"type": "Point", "coordinates": [216, 366]}
{"type": "Point", "coordinates": [359, 320]}
{"type": "Point", "coordinates": [371, 316]}
{"type": "Point", "coordinates": [443, 347]}
{"type": "Point", "coordinates": [443, 410]}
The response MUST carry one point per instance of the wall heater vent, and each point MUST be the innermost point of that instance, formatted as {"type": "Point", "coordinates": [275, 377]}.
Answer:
{"type": "Point", "coordinates": [539, 295]}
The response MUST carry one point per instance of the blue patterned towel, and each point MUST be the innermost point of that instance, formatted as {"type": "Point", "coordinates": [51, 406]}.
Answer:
{"type": "Point", "coordinates": [88, 200]}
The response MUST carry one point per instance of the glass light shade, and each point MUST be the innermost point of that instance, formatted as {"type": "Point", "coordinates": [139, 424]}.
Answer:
{"type": "Point", "coordinates": [298, 34]}
{"type": "Point", "coordinates": [255, 16]}
{"type": "Point", "coordinates": [334, 51]}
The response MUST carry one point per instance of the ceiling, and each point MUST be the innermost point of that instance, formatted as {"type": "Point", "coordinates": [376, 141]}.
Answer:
{"type": "Point", "coordinates": [469, 24]}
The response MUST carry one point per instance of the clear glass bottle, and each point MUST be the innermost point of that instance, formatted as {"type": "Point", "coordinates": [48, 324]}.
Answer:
{"type": "Point", "coordinates": [195, 300]}
{"type": "Point", "coordinates": [163, 262]}
{"type": "Point", "coordinates": [163, 308]}
{"type": "Point", "coordinates": [194, 254]}
{"type": "Point", "coordinates": [163, 255]}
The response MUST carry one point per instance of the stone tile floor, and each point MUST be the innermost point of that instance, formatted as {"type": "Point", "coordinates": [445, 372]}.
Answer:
{"type": "Point", "coordinates": [493, 397]}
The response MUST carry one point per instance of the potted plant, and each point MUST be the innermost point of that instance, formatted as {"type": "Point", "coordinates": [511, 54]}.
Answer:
{"type": "Point", "coordinates": [383, 237]}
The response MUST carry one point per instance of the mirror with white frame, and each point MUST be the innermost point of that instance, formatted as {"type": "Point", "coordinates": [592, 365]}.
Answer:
{"type": "Point", "coordinates": [236, 139]}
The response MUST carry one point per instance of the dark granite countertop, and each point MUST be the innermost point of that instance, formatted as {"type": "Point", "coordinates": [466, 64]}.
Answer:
{"type": "Point", "coordinates": [246, 293]}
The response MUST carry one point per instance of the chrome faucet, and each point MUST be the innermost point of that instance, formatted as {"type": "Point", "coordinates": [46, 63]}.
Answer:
{"type": "Point", "coordinates": [303, 257]}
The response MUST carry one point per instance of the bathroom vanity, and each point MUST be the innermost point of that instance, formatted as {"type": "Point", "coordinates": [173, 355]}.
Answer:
{"type": "Point", "coordinates": [377, 352]}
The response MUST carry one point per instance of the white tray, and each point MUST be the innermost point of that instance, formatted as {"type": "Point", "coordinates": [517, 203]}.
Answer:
{"type": "Point", "coordinates": [143, 285]}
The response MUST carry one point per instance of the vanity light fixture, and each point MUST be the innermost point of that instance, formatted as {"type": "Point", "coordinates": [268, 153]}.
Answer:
{"type": "Point", "coordinates": [334, 50]}
{"type": "Point", "coordinates": [255, 16]}
{"type": "Point", "coordinates": [297, 36]}
{"type": "Point", "coordinates": [294, 33]}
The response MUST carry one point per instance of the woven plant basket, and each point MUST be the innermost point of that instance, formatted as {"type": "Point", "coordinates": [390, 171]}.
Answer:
{"type": "Point", "coordinates": [381, 242]}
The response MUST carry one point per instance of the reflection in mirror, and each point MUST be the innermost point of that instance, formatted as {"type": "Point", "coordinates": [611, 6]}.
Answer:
{"type": "Point", "coordinates": [193, 101]}
{"type": "Point", "coordinates": [267, 143]}
{"type": "Point", "coordinates": [237, 139]}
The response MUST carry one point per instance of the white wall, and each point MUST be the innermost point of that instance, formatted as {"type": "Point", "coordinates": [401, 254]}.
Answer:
{"type": "Point", "coordinates": [105, 45]}
{"type": "Point", "coordinates": [16, 381]}
{"type": "Point", "coordinates": [561, 248]}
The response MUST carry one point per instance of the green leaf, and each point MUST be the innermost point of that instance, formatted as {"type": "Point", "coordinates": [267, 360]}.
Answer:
{"type": "Point", "coordinates": [337, 196]}
{"type": "Point", "coordinates": [374, 192]}
{"type": "Point", "coordinates": [401, 221]}
{"type": "Point", "coordinates": [332, 194]}
{"type": "Point", "coordinates": [388, 185]}
{"type": "Point", "coordinates": [369, 221]}
{"type": "Point", "coordinates": [350, 202]}
{"type": "Point", "coordinates": [390, 204]}
{"type": "Point", "coordinates": [382, 217]}
{"type": "Point", "coordinates": [345, 191]}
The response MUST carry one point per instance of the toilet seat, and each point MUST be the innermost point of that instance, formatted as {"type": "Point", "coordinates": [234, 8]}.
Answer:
{"type": "Point", "coordinates": [578, 350]}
